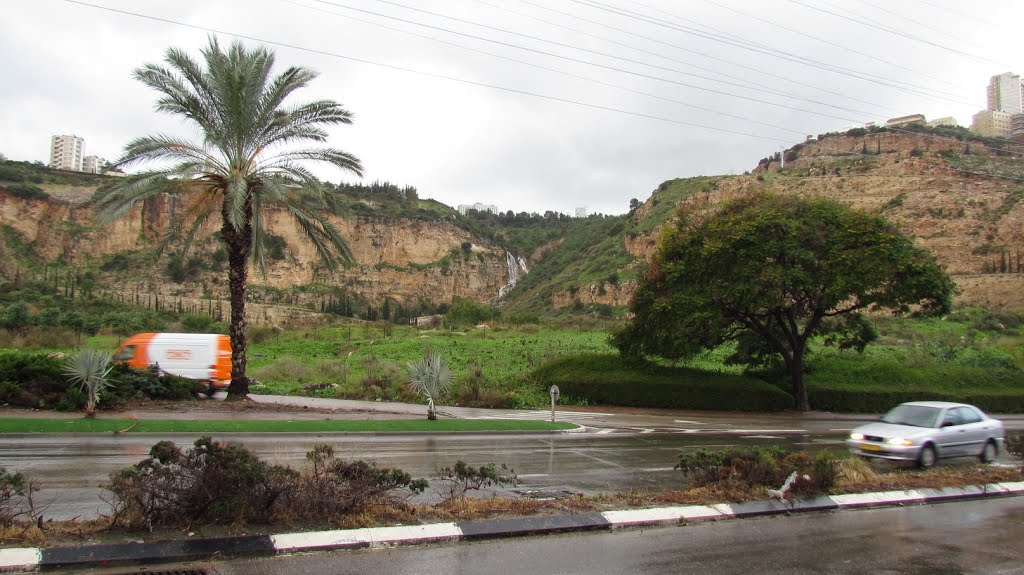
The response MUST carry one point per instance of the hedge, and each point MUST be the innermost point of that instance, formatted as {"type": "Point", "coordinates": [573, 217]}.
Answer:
{"type": "Point", "coordinates": [37, 380]}
{"type": "Point", "coordinates": [873, 385]}
{"type": "Point", "coordinates": [605, 379]}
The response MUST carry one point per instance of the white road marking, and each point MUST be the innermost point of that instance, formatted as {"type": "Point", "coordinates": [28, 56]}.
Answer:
{"type": "Point", "coordinates": [842, 429]}
{"type": "Point", "coordinates": [690, 422]}
{"type": "Point", "coordinates": [605, 431]}
{"type": "Point", "coordinates": [762, 437]}
{"type": "Point", "coordinates": [524, 475]}
{"type": "Point", "coordinates": [657, 469]}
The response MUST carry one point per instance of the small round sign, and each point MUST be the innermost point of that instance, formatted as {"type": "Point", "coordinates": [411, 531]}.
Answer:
{"type": "Point", "coordinates": [554, 392]}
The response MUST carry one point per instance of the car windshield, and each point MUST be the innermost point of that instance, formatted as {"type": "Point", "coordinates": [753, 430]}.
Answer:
{"type": "Point", "coordinates": [916, 415]}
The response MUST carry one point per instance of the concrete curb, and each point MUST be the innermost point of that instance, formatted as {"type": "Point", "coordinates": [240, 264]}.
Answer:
{"type": "Point", "coordinates": [32, 559]}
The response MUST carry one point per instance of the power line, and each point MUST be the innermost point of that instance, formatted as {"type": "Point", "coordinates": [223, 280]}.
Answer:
{"type": "Point", "coordinates": [870, 24]}
{"type": "Point", "coordinates": [829, 42]}
{"type": "Point", "coordinates": [745, 83]}
{"type": "Point", "coordinates": [555, 70]}
{"type": "Point", "coordinates": [419, 72]}
{"type": "Point", "coordinates": [917, 22]}
{"type": "Point", "coordinates": [704, 55]}
{"type": "Point", "coordinates": [579, 61]}
{"type": "Point", "coordinates": [763, 50]}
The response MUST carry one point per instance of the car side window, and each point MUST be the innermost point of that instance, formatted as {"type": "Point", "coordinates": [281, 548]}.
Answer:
{"type": "Point", "coordinates": [952, 417]}
{"type": "Point", "coordinates": [968, 415]}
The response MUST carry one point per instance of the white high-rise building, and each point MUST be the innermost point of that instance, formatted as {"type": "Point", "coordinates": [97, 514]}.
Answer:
{"type": "Point", "coordinates": [66, 152]}
{"type": "Point", "coordinates": [463, 208]}
{"type": "Point", "coordinates": [93, 164]}
{"type": "Point", "coordinates": [1006, 94]}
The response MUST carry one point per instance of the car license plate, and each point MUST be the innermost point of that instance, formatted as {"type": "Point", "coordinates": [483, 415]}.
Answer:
{"type": "Point", "coordinates": [870, 447]}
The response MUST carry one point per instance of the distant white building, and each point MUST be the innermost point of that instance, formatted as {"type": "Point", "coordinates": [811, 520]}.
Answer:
{"type": "Point", "coordinates": [1006, 94]}
{"type": "Point", "coordinates": [581, 212]}
{"type": "Point", "coordinates": [66, 152]}
{"type": "Point", "coordinates": [947, 121]}
{"type": "Point", "coordinates": [463, 208]}
{"type": "Point", "coordinates": [903, 120]}
{"type": "Point", "coordinates": [93, 164]}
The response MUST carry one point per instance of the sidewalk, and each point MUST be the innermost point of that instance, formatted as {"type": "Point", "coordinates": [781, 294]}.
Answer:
{"type": "Point", "coordinates": [32, 559]}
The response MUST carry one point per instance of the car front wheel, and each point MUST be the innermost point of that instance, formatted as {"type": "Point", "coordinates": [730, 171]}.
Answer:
{"type": "Point", "coordinates": [927, 457]}
{"type": "Point", "coordinates": [989, 452]}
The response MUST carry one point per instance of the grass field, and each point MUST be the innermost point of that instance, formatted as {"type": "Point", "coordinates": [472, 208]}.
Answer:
{"type": "Point", "coordinates": [967, 353]}
{"type": "Point", "coordinates": [84, 425]}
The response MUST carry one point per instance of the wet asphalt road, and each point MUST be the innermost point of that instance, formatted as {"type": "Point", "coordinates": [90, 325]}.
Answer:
{"type": "Point", "coordinates": [622, 450]}
{"type": "Point", "coordinates": [982, 537]}
{"type": "Point", "coordinates": [71, 468]}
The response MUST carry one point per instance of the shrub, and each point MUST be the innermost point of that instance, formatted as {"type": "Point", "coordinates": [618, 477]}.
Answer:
{"type": "Point", "coordinates": [335, 486]}
{"type": "Point", "coordinates": [761, 467]}
{"type": "Point", "coordinates": [16, 500]}
{"type": "Point", "coordinates": [31, 379]}
{"type": "Point", "coordinates": [128, 383]}
{"type": "Point", "coordinates": [1015, 446]}
{"type": "Point", "coordinates": [197, 323]}
{"type": "Point", "coordinates": [607, 379]}
{"type": "Point", "coordinates": [27, 191]}
{"type": "Point", "coordinates": [210, 483]}
{"type": "Point", "coordinates": [463, 477]}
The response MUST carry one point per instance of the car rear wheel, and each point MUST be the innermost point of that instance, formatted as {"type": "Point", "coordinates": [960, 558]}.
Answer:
{"type": "Point", "coordinates": [927, 457]}
{"type": "Point", "coordinates": [989, 452]}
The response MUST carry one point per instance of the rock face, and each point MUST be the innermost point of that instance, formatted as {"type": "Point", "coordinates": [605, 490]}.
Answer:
{"type": "Point", "coordinates": [405, 261]}
{"type": "Point", "coordinates": [973, 223]}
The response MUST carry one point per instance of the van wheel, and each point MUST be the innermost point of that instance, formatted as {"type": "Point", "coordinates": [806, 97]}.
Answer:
{"type": "Point", "coordinates": [989, 452]}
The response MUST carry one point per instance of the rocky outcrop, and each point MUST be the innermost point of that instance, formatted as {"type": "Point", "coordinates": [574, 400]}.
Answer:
{"type": "Point", "coordinates": [974, 224]}
{"type": "Point", "coordinates": [403, 260]}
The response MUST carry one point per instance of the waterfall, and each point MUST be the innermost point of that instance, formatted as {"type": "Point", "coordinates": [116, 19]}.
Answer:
{"type": "Point", "coordinates": [514, 266]}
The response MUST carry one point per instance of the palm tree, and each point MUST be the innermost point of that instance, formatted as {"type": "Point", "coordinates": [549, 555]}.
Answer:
{"type": "Point", "coordinates": [89, 368]}
{"type": "Point", "coordinates": [431, 378]}
{"type": "Point", "coordinates": [243, 166]}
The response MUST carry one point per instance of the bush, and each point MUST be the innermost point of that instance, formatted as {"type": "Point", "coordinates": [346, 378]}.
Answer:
{"type": "Point", "coordinates": [607, 379]}
{"type": "Point", "coordinates": [210, 483]}
{"type": "Point", "coordinates": [761, 467]}
{"type": "Point", "coordinates": [214, 483]}
{"type": "Point", "coordinates": [31, 379]}
{"type": "Point", "coordinates": [16, 500]}
{"type": "Point", "coordinates": [27, 191]}
{"type": "Point", "coordinates": [463, 477]}
{"type": "Point", "coordinates": [859, 385]}
{"type": "Point", "coordinates": [334, 486]}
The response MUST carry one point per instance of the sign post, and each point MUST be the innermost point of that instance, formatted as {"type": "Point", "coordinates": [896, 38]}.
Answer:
{"type": "Point", "coordinates": [554, 397]}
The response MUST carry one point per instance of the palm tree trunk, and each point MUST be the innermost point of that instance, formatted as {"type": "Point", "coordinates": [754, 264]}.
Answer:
{"type": "Point", "coordinates": [239, 243]}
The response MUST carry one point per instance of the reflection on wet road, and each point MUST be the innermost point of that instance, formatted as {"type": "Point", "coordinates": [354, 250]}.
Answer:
{"type": "Point", "coordinates": [70, 469]}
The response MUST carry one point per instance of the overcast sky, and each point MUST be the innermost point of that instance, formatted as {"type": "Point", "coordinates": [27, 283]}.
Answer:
{"type": "Point", "coordinates": [530, 105]}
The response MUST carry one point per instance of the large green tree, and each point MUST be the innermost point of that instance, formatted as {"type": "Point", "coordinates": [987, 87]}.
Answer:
{"type": "Point", "coordinates": [250, 158]}
{"type": "Point", "coordinates": [773, 272]}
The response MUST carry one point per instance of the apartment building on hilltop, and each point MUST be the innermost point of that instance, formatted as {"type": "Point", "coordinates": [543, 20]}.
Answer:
{"type": "Point", "coordinates": [66, 152]}
{"type": "Point", "coordinates": [1006, 94]}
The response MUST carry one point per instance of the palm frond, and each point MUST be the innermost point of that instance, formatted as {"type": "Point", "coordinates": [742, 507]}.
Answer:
{"type": "Point", "coordinates": [430, 376]}
{"type": "Point", "coordinates": [114, 202]}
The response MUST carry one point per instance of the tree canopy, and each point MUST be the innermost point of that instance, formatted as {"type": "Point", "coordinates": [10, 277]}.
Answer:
{"type": "Point", "coordinates": [772, 272]}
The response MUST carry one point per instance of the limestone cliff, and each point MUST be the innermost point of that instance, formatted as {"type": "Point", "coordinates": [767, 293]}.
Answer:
{"type": "Point", "coordinates": [401, 260]}
{"type": "Point", "coordinates": [944, 192]}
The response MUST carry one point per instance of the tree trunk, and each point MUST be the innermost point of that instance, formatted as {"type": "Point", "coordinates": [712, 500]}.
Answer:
{"type": "Point", "coordinates": [796, 372]}
{"type": "Point", "coordinates": [239, 244]}
{"type": "Point", "coordinates": [431, 412]}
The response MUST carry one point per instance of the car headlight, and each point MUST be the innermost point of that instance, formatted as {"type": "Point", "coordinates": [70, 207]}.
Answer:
{"type": "Point", "coordinates": [898, 441]}
{"type": "Point", "coordinates": [857, 436]}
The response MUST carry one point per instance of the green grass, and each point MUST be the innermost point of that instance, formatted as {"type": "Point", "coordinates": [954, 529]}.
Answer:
{"type": "Point", "coordinates": [606, 379]}
{"type": "Point", "coordinates": [422, 425]}
{"type": "Point", "coordinates": [361, 363]}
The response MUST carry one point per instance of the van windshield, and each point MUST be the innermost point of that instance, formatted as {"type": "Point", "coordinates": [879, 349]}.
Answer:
{"type": "Point", "coordinates": [125, 353]}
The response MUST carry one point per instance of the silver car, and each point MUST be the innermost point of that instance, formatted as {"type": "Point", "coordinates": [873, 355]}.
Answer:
{"type": "Point", "coordinates": [925, 431]}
